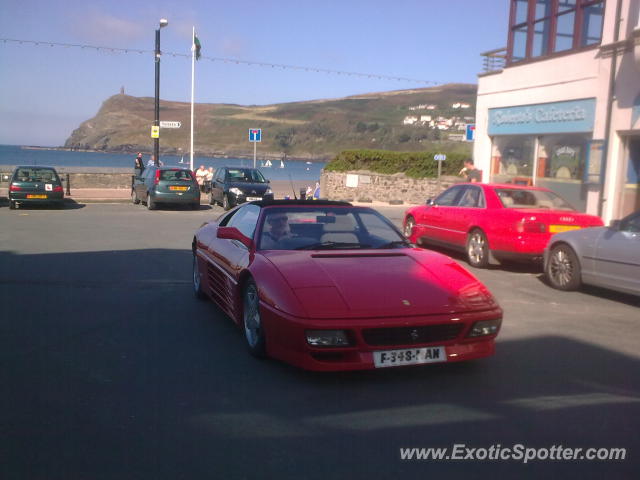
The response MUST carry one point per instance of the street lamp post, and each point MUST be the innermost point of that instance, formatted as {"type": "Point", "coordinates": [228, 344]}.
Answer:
{"type": "Point", "coordinates": [156, 141]}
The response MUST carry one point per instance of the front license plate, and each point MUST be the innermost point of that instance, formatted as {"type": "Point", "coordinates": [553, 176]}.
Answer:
{"type": "Point", "coordinates": [253, 199]}
{"type": "Point", "coordinates": [562, 228]}
{"type": "Point", "coordinates": [409, 356]}
{"type": "Point", "coordinates": [181, 189]}
{"type": "Point", "coordinates": [36, 196]}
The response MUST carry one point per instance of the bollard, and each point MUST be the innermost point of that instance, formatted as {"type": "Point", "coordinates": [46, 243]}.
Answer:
{"type": "Point", "coordinates": [68, 184]}
{"type": "Point", "coordinates": [303, 194]}
{"type": "Point", "coordinates": [133, 181]}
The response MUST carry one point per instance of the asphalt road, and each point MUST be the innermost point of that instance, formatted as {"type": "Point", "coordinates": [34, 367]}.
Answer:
{"type": "Point", "coordinates": [110, 369]}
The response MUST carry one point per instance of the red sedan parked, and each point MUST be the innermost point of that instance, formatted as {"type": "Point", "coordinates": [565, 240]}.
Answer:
{"type": "Point", "coordinates": [329, 286]}
{"type": "Point", "coordinates": [506, 222]}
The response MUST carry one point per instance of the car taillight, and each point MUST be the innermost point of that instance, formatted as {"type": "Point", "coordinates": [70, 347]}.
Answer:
{"type": "Point", "coordinates": [530, 226]}
{"type": "Point", "coordinates": [14, 188]}
{"type": "Point", "coordinates": [57, 188]}
{"type": "Point", "coordinates": [157, 179]}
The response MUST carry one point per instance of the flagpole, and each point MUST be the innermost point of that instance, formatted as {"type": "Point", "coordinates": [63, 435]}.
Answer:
{"type": "Point", "coordinates": [193, 68]}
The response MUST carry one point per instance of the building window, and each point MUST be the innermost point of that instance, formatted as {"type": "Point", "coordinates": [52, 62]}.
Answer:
{"type": "Point", "coordinates": [542, 27]}
{"type": "Point", "coordinates": [592, 24]}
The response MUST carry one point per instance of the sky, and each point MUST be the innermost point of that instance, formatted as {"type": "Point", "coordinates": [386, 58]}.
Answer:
{"type": "Point", "coordinates": [47, 91]}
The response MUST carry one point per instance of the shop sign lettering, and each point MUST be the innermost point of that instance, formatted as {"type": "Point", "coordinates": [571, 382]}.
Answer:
{"type": "Point", "coordinates": [539, 115]}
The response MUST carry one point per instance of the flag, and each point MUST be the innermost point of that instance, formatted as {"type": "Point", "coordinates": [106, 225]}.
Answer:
{"type": "Point", "coordinates": [197, 46]}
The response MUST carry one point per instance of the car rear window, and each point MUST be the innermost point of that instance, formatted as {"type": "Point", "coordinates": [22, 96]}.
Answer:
{"type": "Point", "coordinates": [36, 175]}
{"type": "Point", "coordinates": [522, 198]}
{"type": "Point", "coordinates": [176, 175]}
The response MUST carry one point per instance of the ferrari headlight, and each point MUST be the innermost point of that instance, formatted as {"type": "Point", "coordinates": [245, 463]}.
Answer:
{"type": "Point", "coordinates": [327, 338]}
{"type": "Point", "coordinates": [235, 191]}
{"type": "Point", "coordinates": [485, 327]}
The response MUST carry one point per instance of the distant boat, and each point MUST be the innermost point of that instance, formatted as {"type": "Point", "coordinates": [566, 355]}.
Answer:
{"type": "Point", "coordinates": [181, 160]}
{"type": "Point", "coordinates": [281, 164]}
{"type": "Point", "coordinates": [309, 163]}
{"type": "Point", "coordinates": [267, 163]}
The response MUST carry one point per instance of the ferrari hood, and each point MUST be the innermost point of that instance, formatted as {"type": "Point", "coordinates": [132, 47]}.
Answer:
{"type": "Point", "coordinates": [374, 283]}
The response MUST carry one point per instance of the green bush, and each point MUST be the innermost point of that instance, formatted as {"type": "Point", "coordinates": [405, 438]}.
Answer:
{"type": "Point", "coordinates": [412, 164]}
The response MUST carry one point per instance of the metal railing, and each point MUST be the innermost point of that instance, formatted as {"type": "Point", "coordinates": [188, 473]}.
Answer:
{"type": "Point", "coordinates": [494, 60]}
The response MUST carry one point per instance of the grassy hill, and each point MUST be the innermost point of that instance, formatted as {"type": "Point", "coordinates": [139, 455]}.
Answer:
{"type": "Point", "coordinates": [316, 129]}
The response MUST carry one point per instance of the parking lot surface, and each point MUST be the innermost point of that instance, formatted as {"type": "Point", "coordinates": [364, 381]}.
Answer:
{"type": "Point", "coordinates": [112, 369]}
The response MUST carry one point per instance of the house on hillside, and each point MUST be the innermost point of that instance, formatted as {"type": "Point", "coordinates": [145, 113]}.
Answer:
{"type": "Point", "coordinates": [409, 120]}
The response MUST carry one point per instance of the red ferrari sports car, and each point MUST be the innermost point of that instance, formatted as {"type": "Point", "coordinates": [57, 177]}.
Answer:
{"type": "Point", "coordinates": [506, 222]}
{"type": "Point", "coordinates": [328, 286]}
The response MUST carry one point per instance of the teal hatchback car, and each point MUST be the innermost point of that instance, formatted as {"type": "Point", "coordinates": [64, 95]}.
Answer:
{"type": "Point", "coordinates": [34, 184]}
{"type": "Point", "coordinates": [166, 185]}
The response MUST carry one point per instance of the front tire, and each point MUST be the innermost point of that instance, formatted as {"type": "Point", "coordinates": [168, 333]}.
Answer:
{"type": "Point", "coordinates": [408, 226]}
{"type": "Point", "coordinates": [563, 268]}
{"type": "Point", "coordinates": [477, 249]}
{"type": "Point", "coordinates": [225, 202]}
{"type": "Point", "coordinates": [252, 322]}
{"type": "Point", "coordinates": [197, 282]}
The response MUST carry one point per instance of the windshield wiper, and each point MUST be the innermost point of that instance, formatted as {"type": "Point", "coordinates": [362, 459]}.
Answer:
{"type": "Point", "coordinates": [394, 244]}
{"type": "Point", "coordinates": [333, 245]}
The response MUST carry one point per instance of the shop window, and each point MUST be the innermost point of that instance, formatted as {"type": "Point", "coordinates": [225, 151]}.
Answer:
{"type": "Point", "coordinates": [562, 157]}
{"type": "Point", "coordinates": [512, 158]}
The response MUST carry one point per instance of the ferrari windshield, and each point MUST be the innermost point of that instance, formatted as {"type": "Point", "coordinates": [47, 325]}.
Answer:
{"type": "Point", "coordinates": [521, 198]}
{"type": "Point", "coordinates": [327, 228]}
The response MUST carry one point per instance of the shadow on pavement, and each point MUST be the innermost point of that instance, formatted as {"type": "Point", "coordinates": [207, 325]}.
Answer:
{"type": "Point", "coordinates": [112, 369]}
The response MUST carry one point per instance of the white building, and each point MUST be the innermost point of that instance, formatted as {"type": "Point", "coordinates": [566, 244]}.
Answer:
{"type": "Point", "coordinates": [564, 112]}
{"type": "Point", "coordinates": [409, 120]}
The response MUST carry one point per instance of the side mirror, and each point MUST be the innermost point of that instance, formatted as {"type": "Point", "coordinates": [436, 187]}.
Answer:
{"type": "Point", "coordinates": [430, 201]}
{"type": "Point", "coordinates": [232, 233]}
{"type": "Point", "coordinates": [614, 225]}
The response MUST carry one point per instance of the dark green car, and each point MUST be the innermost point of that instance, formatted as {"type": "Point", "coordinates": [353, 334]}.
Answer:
{"type": "Point", "coordinates": [33, 184]}
{"type": "Point", "coordinates": [165, 185]}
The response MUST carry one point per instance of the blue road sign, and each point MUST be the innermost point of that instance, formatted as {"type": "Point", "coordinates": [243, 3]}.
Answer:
{"type": "Point", "coordinates": [255, 134]}
{"type": "Point", "coordinates": [471, 132]}
{"type": "Point", "coordinates": [439, 157]}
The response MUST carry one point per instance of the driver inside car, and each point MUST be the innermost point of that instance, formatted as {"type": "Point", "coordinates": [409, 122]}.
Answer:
{"type": "Point", "coordinates": [278, 230]}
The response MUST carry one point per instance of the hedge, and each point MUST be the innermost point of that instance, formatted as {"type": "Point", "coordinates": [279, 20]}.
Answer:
{"type": "Point", "coordinates": [412, 164]}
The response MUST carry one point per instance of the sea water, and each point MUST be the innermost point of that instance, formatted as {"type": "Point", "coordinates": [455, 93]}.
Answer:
{"type": "Point", "coordinates": [12, 155]}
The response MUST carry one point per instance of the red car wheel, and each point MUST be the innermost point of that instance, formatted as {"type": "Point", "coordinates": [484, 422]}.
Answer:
{"type": "Point", "coordinates": [478, 249]}
{"type": "Point", "coordinates": [253, 329]}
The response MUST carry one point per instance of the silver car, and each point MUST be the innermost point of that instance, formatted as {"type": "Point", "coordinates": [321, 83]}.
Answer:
{"type": "Point", "coordinates": [604, 256]}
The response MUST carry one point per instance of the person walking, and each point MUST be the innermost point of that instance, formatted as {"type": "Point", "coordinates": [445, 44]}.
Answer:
{"type": "Point", "coordinates": [138, 164]}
